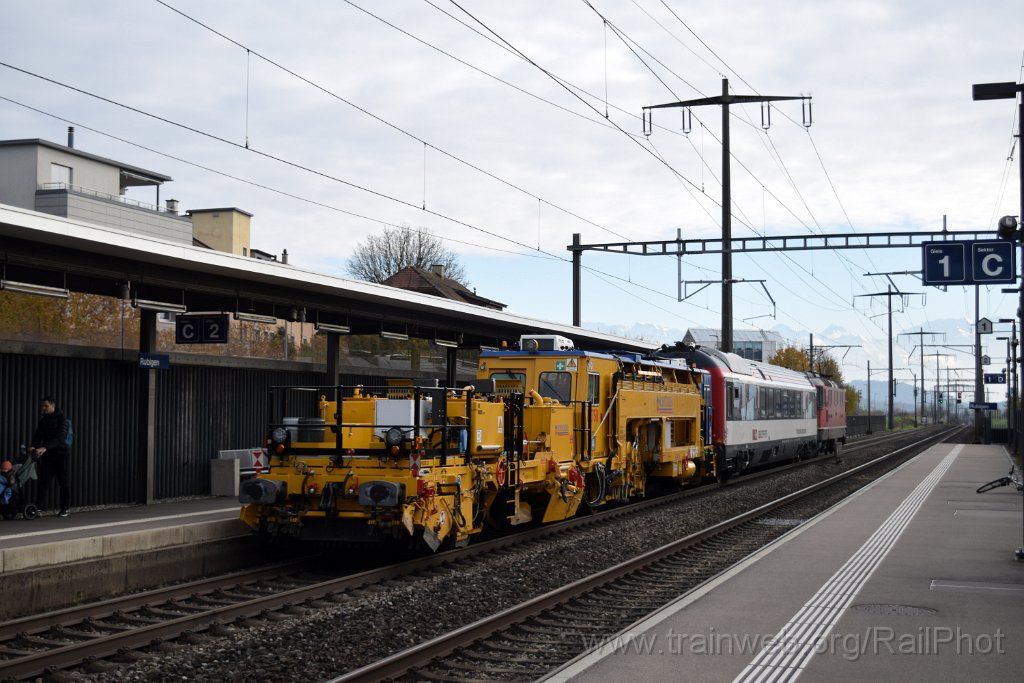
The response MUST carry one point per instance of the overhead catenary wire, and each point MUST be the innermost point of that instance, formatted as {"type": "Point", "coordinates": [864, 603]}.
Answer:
{"type": "Point", "coordinates": [380, 119]}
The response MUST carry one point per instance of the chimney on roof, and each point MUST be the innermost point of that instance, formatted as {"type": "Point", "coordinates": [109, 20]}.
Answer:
{"type": "Point", "coordinates": [437, 269]}
{"type": "Point", "coordinates": [284, 256]}
{"type": "Point", "coordinates": [172, 206]}
{"type": "Point", "coordinates": [71, 136]}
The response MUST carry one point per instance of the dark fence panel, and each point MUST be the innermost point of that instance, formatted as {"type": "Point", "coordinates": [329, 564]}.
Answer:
{"type": "Point", "coordinates": [99, 396]}
{"type": "Point", "coordinates": [857, 425]}
{"type": "Point", "coordinates": [201, 409]}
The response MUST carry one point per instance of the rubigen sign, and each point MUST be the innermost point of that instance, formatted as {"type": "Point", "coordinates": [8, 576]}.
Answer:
{"type": "Point", "coordinates": [154, 361]}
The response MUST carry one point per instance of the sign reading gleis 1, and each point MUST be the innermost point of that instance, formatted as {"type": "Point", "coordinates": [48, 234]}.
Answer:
{"type": "Point", "coordinates": [975, 262]}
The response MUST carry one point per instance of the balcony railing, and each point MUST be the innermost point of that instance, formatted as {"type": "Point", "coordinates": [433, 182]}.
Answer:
{"type": "Point", "coordinates": [77, 189]}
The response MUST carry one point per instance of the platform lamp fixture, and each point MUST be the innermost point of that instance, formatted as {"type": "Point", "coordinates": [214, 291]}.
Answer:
{"type": "Point", "coordinates": [393, 335]}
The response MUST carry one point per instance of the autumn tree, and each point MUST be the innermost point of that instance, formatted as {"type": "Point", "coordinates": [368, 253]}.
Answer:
{"type": "Point", "coordinates": [382, 255]}
{"type": "Point", "coordinates": [790, 357]}
{"type": "Point", "coordinates": [85, 319]}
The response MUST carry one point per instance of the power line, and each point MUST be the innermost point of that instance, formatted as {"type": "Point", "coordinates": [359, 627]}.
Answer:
{"type": "Point", "coordinates": [389, 124]}
{"type": "Point", "coordinates": [532, 253]}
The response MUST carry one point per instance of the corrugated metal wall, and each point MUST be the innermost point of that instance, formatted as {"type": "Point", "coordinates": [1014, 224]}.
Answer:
{"type": "Point", "coordinates": [201, 409]}
{"type": "Point", "coordinates": [99, 396]}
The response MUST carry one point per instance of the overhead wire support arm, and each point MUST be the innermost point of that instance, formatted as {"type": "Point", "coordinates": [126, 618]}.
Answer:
{"type": "Point", "coordinates": [805, 242]}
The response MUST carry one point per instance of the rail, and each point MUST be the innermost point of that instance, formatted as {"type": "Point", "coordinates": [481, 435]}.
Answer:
{"type": "Point", "coordinates": [420, 655]}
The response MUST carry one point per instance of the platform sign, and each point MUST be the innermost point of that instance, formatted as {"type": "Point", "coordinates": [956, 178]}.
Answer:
{"type": "Point", "coordinates": [969, 262]}
{"type": "Point", "coordinates": [992, 262]}
{"type": "Point", "coordinates": [995, 378]}
{"type": "Point", "coordinates": [201, 329]}
{"type": "Point", "coordinates": [982, 406]}
{"type": "Point", "coordinates": [945, 263]}
{"type": "Point", "coordinates": [154, 361]}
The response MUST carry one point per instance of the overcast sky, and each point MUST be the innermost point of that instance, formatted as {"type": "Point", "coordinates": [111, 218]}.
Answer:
{"type": "Point", "coordinates": [492, 115]}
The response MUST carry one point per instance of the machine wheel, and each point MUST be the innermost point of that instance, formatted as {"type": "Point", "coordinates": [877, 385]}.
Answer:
{"type": "Point", "coordinates": [30, 511]}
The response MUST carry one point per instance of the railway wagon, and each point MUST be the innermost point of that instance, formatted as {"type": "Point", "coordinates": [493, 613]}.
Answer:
{"type": "Point", "coordinates": [763, 413]}
{"type": "Point", "coordinates": [545, 431]}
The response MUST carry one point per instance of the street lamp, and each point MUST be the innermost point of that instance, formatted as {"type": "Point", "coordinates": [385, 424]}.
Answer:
{"type": "Point", "coordinates": [1008, 224]}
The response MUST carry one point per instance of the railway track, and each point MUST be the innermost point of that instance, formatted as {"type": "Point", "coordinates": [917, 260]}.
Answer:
{"type": "Point", "coordinates": [529, 640]}
{"type": "Point", "coordinates": [43, 644]}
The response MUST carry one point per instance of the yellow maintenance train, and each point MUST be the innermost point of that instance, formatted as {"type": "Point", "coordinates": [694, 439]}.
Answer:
{"type": "Point", "coordinates": [545, 431]}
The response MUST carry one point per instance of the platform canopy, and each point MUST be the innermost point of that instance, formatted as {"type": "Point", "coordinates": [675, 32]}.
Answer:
{"type": "Point", "coordinates": [64, 254]}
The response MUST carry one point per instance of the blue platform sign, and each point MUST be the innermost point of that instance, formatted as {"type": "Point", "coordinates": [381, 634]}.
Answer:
{"type": "Point", "coordinates": [992, 262]}
{"type": "Point", "coordinates": [969, 262]}
{"type": "Point", "coordinates": [154, 361]}
{"type": "Point", "coordinates": [945, 263]}
{"type": "Point", "coordinates": [983, 406]}
{"type": "Point", "coordinates": [995, 378]}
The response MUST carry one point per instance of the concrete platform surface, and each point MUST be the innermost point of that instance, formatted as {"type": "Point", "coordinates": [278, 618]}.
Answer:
{"type": "Point", "coordinates": [52, 540]}
{"type": "Point", "coordinates": [913, 578]}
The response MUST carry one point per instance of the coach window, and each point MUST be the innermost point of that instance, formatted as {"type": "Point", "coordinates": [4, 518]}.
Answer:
{"type": "Point", "coordinates": [734, 401]}
{"type": "Point", "coordinates": [749, 401]}
{"type": "Point", "coordinates": [594, 388]}
{"type": "Point", "coordinates": [763, 409]}
{"type": "Point", "coordinates": [507, 382]}
{"type": "Point", "coordinates": [556, 385]}
{"type": "Point", "coordinates": [777, 400]}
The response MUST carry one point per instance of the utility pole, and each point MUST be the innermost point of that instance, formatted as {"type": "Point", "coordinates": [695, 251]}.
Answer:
{"type": "Point", "coordinates": [935, 402]}
{"type": "Point", "coordinates": [920, 343]}
{"type": "Point", "coordinates": [1011, 383]}
{"type": "Point", "coordinates": [725, 99]}
{"type": "Point", "coordinates": [889, 294]}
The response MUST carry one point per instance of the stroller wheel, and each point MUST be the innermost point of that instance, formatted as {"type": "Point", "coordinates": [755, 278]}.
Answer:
{"type": "Point", "coordinates": [30, 511]}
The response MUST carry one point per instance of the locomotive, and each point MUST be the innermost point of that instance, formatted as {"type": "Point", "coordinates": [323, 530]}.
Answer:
{"type": "Point", "coordinates": [544, 432]}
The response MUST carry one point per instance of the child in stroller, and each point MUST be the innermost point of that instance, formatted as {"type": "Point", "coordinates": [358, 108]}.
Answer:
{"type": "Point", "coordinates": [13, 478]}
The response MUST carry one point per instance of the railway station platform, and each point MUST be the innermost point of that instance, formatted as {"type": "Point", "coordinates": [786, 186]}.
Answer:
{"type": "Point", "coordinates": [95, 553]}
{"type": "Point", "coordinates": [912, 578]}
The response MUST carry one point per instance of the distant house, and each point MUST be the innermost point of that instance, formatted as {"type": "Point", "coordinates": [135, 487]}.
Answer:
{"type": "Point", "coordinates": [434, 282]}
{"type": "Point", "coordinates": [757, 345]}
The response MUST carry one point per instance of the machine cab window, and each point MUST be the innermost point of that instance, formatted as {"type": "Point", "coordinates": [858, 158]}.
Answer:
{"type": "Point", "coordinates": [506, 383]}
{"type": "Point", "coordinates": [556, 385]}
{"type": "Point", "coordinates": [594, 388]}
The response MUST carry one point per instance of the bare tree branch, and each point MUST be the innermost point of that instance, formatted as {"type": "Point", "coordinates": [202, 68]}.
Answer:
{"type": "Point", "coordinates": [383, 255]}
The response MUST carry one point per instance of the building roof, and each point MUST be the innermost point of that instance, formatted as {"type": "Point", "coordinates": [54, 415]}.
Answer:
{"type": "Point", "coordinates": [709, 336]}
{"type": "Point", "coordinates": [225, 209]}
{"type": "Point", "coordinates": [422, 280]}
{"type": "Point", "coordinates": [97, 258]}
{"type": "Point", "coordinates": [134, 176]}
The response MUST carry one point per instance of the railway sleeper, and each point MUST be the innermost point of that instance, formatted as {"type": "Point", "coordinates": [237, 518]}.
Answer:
{"type": "Point", "coordinates": [517, 648]}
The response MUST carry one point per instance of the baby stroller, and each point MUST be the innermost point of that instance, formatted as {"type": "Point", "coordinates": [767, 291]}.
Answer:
{"type": "Point", "coordinates": [14, 476]}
